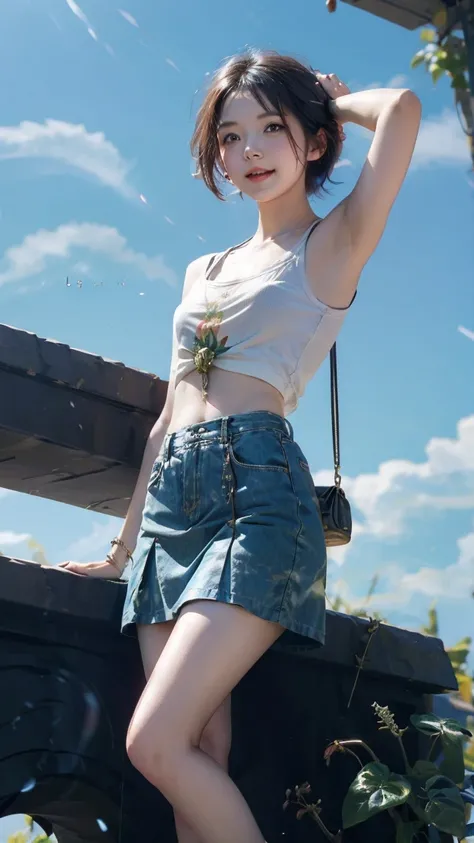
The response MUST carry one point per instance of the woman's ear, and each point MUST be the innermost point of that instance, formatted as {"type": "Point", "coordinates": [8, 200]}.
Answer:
{"type": "Point", "coordinates": [317, 146]}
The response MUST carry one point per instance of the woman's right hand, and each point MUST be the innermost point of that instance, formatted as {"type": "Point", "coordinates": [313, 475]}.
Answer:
{"type": "Point", "coordinates": [99, 570]}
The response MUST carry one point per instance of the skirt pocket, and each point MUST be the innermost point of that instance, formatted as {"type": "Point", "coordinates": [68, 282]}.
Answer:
{"type": "Point", "coordinates": [260, 450]}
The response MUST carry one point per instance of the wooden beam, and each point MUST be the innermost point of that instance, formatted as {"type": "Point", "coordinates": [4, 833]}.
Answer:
{"type": "Point", "coordinates": [407, 13]}
{"type": "Point", "coordinates": [73, 425]}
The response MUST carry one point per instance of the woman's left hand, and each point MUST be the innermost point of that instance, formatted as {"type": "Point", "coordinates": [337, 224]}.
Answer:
{"type": "Point", "coordinates": [332, 85]}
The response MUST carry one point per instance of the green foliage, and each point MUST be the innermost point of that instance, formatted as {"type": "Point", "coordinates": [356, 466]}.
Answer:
{"type": "Point", "coordinates": [451, 735]}
{"type": "Point", "coordinates": [445, 808]}
{"type": "Point", "coordinates": [338, 604]}
{"type": "Point", "coordinates": [375, 789]}
{"type": "Point", "coordinates": [458, 656]}
{"type": "Point", "coordinates": [425, 796]}
{"type": "Point", "coordinates": [445, 54]}
{"type": "Point", "coordinates": [28, 835]}
{"type": "Point", "coordinates": [432, 627]}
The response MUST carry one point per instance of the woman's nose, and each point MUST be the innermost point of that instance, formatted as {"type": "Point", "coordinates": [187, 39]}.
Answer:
{"type": "Point", "coordinates": [252, 152]}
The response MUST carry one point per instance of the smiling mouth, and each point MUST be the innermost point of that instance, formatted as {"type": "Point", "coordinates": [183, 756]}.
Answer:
{"type": "Point", "coordinates": [260, 175]}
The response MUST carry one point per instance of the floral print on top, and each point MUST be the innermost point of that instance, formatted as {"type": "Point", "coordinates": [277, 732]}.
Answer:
{"type": "Point", "coordinates": [207, 345]}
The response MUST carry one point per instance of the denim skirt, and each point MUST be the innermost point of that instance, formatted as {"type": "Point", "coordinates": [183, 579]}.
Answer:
{"type": "Point", "coordinates": [231, 514]}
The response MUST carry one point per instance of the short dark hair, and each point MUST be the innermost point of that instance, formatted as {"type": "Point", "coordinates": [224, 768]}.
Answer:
{"type": "Point", "coordinates": [286, 85]}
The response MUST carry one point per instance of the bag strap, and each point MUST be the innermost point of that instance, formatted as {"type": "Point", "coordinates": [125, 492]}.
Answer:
{"type": "Point", "coordinates": [335, 413]}
{"type": "Point", "coordinates": [335, 416]}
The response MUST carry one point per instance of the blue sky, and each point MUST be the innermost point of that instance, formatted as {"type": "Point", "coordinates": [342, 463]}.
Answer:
{"type": "Point", "coordinates": [97, 107]}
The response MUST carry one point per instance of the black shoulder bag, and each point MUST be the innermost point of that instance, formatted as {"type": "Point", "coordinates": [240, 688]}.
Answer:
{"type": "Point", "coordinates": [335, 508]}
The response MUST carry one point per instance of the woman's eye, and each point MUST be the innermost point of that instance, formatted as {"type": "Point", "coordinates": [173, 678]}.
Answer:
{"type": "Point", "coordinates": [225, 139]}
{"type": "Point", "coordinates": [274, 126]}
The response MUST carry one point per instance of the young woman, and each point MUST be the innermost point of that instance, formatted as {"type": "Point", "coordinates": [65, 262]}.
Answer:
{"type": "Point", "coordinates": [230, 548]}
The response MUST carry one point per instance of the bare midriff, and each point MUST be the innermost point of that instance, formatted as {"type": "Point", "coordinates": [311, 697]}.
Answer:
{"type": "Point", "coordinates": [229, 393]}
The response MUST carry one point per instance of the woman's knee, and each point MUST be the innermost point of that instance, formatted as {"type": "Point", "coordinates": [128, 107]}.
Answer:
{"type": "Point", "coordinates": [153, 751]}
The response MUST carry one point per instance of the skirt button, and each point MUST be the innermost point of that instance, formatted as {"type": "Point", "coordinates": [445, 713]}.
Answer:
{"type": "Point", "coordinates": [202, 430]}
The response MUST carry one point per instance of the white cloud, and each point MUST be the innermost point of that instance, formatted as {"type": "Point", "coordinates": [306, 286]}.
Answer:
{"type": "Point", "coordinates": [95, 544]}
{"type": "Point", "coordinates": [454, 582]}
{"type": "Point", "coordinates": [30, 257]}
{"type": "Point", "coordinates": [402, 489]}
{"type": "Point", "coordinates": [441, 140]}
{"type": "Point", "coordinates": [398, 81]}
{"type": "Point", "coordinates": [72, 144]}
{"type": "Point", "coordinates": [8, 538]}
{"type": "Point", "coordinates": [343, 162]}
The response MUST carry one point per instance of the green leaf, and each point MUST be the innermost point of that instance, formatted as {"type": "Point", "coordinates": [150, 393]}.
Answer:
{"type": "Point", "coordinates": [459, 82]}
{"type": "Point", "coordinates": [445, 807]}
{"type": "Point", "coordinates": [373, 790]}
{"type": "Point", "coordinates": [452, 736]}
{"type": "Point", "coordinates": [428, 35]}
{"type": "Point", "coordinates": [459, 653]}
{"type": "Point", "coordinates": [424, 770]}
{"type": "Point", "coordinates": [406, 832]}
{"type": "Point", "coordinates": [418, 58]}
{"type": "Point", "coordinates": [436, 72]}
{"type": "Point", "coordinates": [430, 724]}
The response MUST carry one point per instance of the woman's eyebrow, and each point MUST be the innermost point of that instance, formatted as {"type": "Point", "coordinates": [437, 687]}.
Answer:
{"type": "Point", "coordinates": [262, 116]}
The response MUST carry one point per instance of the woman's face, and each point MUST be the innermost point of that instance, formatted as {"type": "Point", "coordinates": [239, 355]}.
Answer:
{"type": "Point", "coordinates": [252, 141]}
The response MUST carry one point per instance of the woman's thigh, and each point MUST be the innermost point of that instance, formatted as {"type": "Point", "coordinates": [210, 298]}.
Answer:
{"type": "Point", "coordinates": [216, 735]}
{"type": "Point", "coordinates": [152, 640]}
{"type": "Point", "coordinates": [211, 647]}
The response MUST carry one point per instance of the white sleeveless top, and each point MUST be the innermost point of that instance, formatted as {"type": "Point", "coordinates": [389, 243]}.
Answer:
{"type": "Point", "coordinates": [270, 326]}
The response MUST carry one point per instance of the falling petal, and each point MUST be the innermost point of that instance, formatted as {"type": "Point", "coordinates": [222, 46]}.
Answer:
{"type": "Point", "coordinates": [110, 50]}
{"type": "Point", "coordinates": [72, 404]}
{"type": "Point", "coordinates": [141, 294]}
{"type": "Point", "coordinates": [171, 63]}
{"type": "Point", "coordinates": [128, 17]}
{"type": "Point", "coordinates": [143, 199]}
{"type": "Point", "coordinates": [76, 10]}
{"type": "Point", "coordinates": [201, 238]}
{"type": "Point", "coordinates": [102, 825]}
{"type": "Point", "coordinates": [467, 333]}
{"type": "Point", "coordinates": [30, 784]}
{"type": "Point", "coordinates": [169, 220]}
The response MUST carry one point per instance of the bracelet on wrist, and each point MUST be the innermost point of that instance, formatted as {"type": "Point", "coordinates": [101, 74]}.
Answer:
{"type": "Point", "coordinates": [119, 543]}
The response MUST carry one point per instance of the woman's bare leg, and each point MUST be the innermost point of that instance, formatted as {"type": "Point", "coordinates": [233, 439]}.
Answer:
{"type": "Point", "coordinates": [217, 734]}
{"type": "Point", "coordinates": [211, 647]}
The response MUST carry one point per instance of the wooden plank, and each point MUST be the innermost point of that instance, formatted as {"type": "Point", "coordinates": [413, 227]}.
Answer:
{"type": "Point", "coordinates": [407, 13]}
{"type": "Point", "coordinates": [73, 427]}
